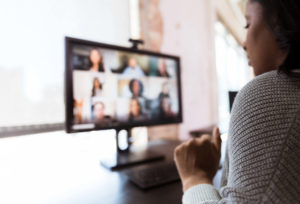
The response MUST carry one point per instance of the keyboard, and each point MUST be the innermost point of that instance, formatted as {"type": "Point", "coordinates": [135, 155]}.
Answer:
{"type": "Point", "coordinates": [153, 175]}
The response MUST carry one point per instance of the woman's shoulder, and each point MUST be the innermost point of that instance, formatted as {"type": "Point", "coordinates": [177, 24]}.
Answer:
{"type": "Point", "coordinates": [271, 79]}
{"type": "Point", "coordinates": [265, 120]}
{"type": "Point", "coordinates": [270, 85]}
{"type": "Point", "coordinates": [269, 94]}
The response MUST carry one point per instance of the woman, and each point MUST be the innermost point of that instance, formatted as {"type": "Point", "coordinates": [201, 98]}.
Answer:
{"type": "Point", "coordinates": [166, 112]}
{"type": "Point", "coordinates": [263, 148]}
{"type": "Point", "coordinates": [162, 69]}
{"type": "Point", "coordinates": [97, 88]}
{"type": "Point", "coordinates": [136, 88]}
{"type": "Point", "coordinates": [135, 111]}
{"type": "Point", "coordinates": [96, 61]}
{"type": "Point", "coordinates": [164, 91]}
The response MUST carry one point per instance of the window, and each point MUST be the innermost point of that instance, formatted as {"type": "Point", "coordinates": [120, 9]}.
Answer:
{"type": "Point", "coordinates": [32, 52]}
{"type": "Point", "coordinates": [232, 70]}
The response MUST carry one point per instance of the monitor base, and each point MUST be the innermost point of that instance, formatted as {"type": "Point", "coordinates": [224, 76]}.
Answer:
{"type": "Point", "coordinates": [125, 159]}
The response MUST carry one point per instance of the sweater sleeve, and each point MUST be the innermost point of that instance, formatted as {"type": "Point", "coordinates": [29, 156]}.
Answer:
{"type": "Point", "coordinates": [203, 193]}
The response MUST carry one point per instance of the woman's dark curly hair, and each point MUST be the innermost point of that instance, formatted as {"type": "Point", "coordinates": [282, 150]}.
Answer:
{"type": "Point", "coordinates": [283, 19]}
{"type": "Point", "coordinates": [140, 84]}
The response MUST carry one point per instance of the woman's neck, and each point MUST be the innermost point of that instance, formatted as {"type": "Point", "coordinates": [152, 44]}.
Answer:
{"type": "Point", "coordinates": [95, 67]}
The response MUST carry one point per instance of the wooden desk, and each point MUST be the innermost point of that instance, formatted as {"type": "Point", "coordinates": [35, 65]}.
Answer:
{"type": "Point", "coordinates": [60, 168]}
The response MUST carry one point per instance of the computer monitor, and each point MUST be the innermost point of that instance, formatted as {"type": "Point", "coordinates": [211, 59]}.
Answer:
{"type": "Point", "coordinates": [113, 87]}
{"type": "Point", "coordinates": [231, 96]}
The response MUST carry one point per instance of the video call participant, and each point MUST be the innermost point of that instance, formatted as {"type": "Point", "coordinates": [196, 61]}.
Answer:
{"type": "Point", "coordinates": [78, 109]}
{"type": "Point", "coordinates": [96, 61]}
{"type": "Point", "coordinates": [133, 70]}
{"type": "Point", "coordinates": [164, 92]}
{"type": "Point", "coordinates": [162, 69]}
{"type": "Point", "coordinates": [135, 111]}
{"type": "Point", "coordinates": [165, 108]}
{"type": "Point", "coordinates": [98, 113]}
{"type": "Point", "coordinates": [136, 88]}
{"type": "Point", "coordinates": [97, 88]}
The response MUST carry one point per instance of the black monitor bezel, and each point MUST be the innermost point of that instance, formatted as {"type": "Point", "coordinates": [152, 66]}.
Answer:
{"type": "Point", "coordinates": [69, 85]}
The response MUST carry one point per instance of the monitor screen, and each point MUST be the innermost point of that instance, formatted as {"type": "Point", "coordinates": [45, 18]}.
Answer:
{"type": "Point", "coordinates": [112, 87]}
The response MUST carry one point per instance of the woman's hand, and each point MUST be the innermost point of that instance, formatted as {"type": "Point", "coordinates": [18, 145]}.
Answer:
{"type": "Point", "coordinates": [197, 160]}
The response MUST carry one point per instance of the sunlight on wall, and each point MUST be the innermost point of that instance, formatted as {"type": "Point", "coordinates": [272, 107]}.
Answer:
{"type": "Point", "coordinates": [232, 70]}
{"type": "Point", "coordinates": [32, 51]}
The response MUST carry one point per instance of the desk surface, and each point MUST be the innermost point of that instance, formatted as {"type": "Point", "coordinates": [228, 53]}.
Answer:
{"type": "Point", "coordinates": [123, 191]}
{"type": "Point", "coordinates": [61, 168]}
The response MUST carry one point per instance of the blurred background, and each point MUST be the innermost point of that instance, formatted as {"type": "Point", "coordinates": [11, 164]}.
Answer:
{"type": "Point", "coordinates": [207, 35]}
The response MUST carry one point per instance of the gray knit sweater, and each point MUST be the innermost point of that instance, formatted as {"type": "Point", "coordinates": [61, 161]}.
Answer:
{"type": "Point", "coordinates": [262, 164]}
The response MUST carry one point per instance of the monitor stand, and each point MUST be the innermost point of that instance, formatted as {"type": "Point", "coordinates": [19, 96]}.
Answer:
{"type": "Point", "coordinates": [127, 156]}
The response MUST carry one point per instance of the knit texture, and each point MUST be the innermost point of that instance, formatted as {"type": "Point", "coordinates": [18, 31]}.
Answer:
{"type": "Point", "coordinates": [262, 164]}
{"type": "Point", "coordinates": [208, 195]}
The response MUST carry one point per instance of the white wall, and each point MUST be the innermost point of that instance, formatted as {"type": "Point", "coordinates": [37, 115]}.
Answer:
{"type": "Point", "coordinates": [189, 32]}
{"type": "Point", "coordinates": [32, 51]}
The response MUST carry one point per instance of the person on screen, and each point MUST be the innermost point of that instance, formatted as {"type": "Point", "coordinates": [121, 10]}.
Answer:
{"type": "Point", "coordinates": [165, 108]}
{"type": "Point", "coordinates": [136, 88]}
{"type": "Point", "coordinates": [98, 112]}
{"type": "Point", "coordinates": [96, 61]}
{"type": "Point", "coordinates": [135, 111]}
{"type": "Point", "coordinates": [162, 69]}
{"type": "Point", "coordinates": [78, 109]}
{"type": "Point", "coordinates": [164, 92]}
{"type": "Point", "coordinates": [133, 70]}
{"type": "Point", "coordinates": [97, 88]}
